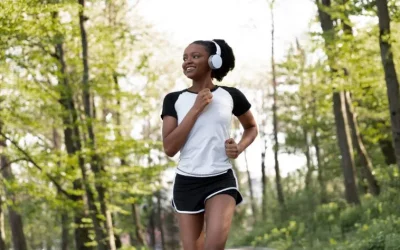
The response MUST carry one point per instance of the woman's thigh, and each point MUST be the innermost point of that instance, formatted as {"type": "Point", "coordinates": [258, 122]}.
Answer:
{"type": "Point", "coordinates": [191, 230]}
{"type": "Point", "coordinates": [219, 214]}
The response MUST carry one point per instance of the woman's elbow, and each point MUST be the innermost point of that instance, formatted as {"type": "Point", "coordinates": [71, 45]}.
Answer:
{"type": "Point", "coordinates": [253, 130]}
{"type": "Point", "coordinates": [169, 152]}
{"type": "Point", "coordinates": [256, 130]}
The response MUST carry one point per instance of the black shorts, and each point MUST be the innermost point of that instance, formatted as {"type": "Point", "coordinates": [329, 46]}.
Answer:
{"type": "Point", "coordinates": [191, 193]}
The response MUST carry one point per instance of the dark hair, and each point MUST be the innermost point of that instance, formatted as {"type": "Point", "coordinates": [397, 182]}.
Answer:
{"type": "Point", "coordinates": [228, 58]}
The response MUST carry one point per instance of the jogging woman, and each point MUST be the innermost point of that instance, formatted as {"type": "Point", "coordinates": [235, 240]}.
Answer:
{"type": "Point", "coordinates": [196, 123]}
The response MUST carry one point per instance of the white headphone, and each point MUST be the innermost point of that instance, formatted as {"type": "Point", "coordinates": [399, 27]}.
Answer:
{"type": "Point", "coordinates": [215, 61]}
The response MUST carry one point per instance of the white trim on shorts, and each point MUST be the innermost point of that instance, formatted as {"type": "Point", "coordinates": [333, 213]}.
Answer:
{"type": "Point", "coordinates": [237, 187]}
{"type": "Point", "coordinates": [185, 212]}
{"type": "Point", "coordinates": [220, 191]}
{"type": "Point", "coordinates": [174, 206]}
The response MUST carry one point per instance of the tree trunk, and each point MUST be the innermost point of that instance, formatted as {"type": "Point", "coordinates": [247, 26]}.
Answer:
{"type": "Point", "coordinates": [264, 185]}
{"type": "Point", "coordinates": [386, 146]}
{"type": "Point", "coordinates": [64, 231]}
{"type": "Point", "coordinates": [73, 146]}
{"type": "Point", "coordinates": [138, 226]}
{"type": "Point", "coordinates": [250, 182]}
{"type": "Point", "coordinates": [15, 219]}
{"type": "Point", "coordinates": [160, 219]}
{"type": "Point", "coordinates": [152, 226]}
{"type": "Point", "coordinates": [385, 142]}
{"type": "Point", "coordinates": [2, 227]}
{"type": "Point", "coordinates": [263, 138]}
{"type": "Point", "coordinates": [101, 235]}
{"type": "Point", "coordinates": [305, 112]}
{"type": "Point", "coordinates": [3, 164]}
{"type": "Point", "coordinates": [279, 189]}
{"type": "Point", "coordinates": [110, 230]}
{"type": "Point", "coordinates": [339, 109]}
{"type": "Point", "coordinates": [109, 217]}
{"type": "Point", "coordinates": [364, 159]}
{"type": "Point", "coordinates": [17, 232]}
{"type": "Point", "coordinates": [308, 159]}
{"type": "Point", "coordinates": [64, 214]}
{"type": "Point", "coordinates": [315, 141]}
{"type": "Point", "coordinates": [392, 83]}
{"type": "Point", "coordinates": [344, 142]}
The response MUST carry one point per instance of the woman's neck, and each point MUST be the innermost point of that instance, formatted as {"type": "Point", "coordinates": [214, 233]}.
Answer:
{"type": "Point", "coordinates": [199, 85]}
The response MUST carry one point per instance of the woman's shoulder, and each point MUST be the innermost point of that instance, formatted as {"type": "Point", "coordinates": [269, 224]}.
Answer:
{"type": "Point", "coordinates": [174, 94]}
{"type": "Point", "coordinates": [231, 89]}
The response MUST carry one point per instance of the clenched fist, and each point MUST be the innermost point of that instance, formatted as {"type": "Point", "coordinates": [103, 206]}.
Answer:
{"type": "Point", "coordinates": [231, 148]}
{"type": "Point", "coordinates": [204, 97]}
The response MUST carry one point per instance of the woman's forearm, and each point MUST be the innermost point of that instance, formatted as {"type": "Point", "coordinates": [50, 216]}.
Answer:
{"type": "Point", "coordinates": [175, 140]}
{"type": "Point", "coordinates": [248, 137]}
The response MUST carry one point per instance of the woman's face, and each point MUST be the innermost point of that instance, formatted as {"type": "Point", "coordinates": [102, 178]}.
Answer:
{"type": "Point", "coordinates": [195, 62]}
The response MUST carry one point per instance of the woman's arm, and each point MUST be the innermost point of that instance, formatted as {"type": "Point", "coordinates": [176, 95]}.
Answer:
{"type": "Point", "coordinates": [250, 130]}
{"type": "Point", "coordinates": [233, 149]}
{"type": "Point", "coordinates": [174, 136]}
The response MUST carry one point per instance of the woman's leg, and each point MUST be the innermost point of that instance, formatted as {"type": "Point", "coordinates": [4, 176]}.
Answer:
{"type": "Point", "coordinates": [191, 231]}
{"type": "Point", "coordinates": [219, 212]}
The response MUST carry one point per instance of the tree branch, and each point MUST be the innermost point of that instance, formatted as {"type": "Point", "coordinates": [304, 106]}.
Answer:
{"type": "Point", "coordinates": [30, 159]}
{"type": "Point", "coordinates": [14, 161]}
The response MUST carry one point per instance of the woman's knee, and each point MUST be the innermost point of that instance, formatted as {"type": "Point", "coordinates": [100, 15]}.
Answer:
{"type": "Point", "coordinates": [214, 244]}
{"type": "Point", "coordinates": [193, 245]}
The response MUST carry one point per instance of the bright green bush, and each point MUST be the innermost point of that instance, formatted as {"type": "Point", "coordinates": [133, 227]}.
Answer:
{"type": "Point", "coordinates": [333, 227]}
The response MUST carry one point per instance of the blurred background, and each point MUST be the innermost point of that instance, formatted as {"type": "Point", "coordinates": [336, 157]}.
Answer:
{"type": "Point", "coordinates": [81, 90]}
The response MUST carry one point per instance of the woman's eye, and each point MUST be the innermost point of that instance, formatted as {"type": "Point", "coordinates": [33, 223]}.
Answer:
{"type": "Point", "coordinates": [196, 56]}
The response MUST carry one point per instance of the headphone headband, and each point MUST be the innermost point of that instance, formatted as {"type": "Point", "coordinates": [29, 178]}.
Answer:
{"type": "Point", "coordinates": [218, 52]}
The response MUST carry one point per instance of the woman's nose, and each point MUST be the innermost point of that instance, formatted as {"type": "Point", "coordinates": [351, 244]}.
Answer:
{"type": "Point", "coordinates": [186, 62]}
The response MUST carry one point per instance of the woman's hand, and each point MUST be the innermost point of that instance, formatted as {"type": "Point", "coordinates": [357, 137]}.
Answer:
{"type": "Point", "coordinates": [204, 97]}
{"type": "Point", "coordinates": [232, 148]}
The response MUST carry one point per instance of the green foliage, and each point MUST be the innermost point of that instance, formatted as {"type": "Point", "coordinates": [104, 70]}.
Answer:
{"type": "Point", "coordinates": [33, 121]}
{"type": "Point", "coordinates": [306, 122]}
{"type": "Point", "coordinates": [334, 226]}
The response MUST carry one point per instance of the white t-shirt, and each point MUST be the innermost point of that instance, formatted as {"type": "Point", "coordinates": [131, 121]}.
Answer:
{"type": "Point", "coordinates": [203, 153]}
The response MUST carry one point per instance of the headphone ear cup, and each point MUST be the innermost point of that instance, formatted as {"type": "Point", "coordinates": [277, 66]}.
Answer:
{"type": "Point", "coordinates": [210, 62]}
{"type": "Point", "coordinates": [215, 61]}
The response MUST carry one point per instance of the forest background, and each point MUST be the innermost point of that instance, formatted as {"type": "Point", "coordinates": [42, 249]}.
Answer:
{"type": "Point", "coordinates": [81, 90]}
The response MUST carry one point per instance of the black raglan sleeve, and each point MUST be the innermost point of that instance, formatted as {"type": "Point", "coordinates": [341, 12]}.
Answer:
{"type": "Point", "coordinates": [240, 103]}
{"type": "Point", "coordinates": [168, 108]}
